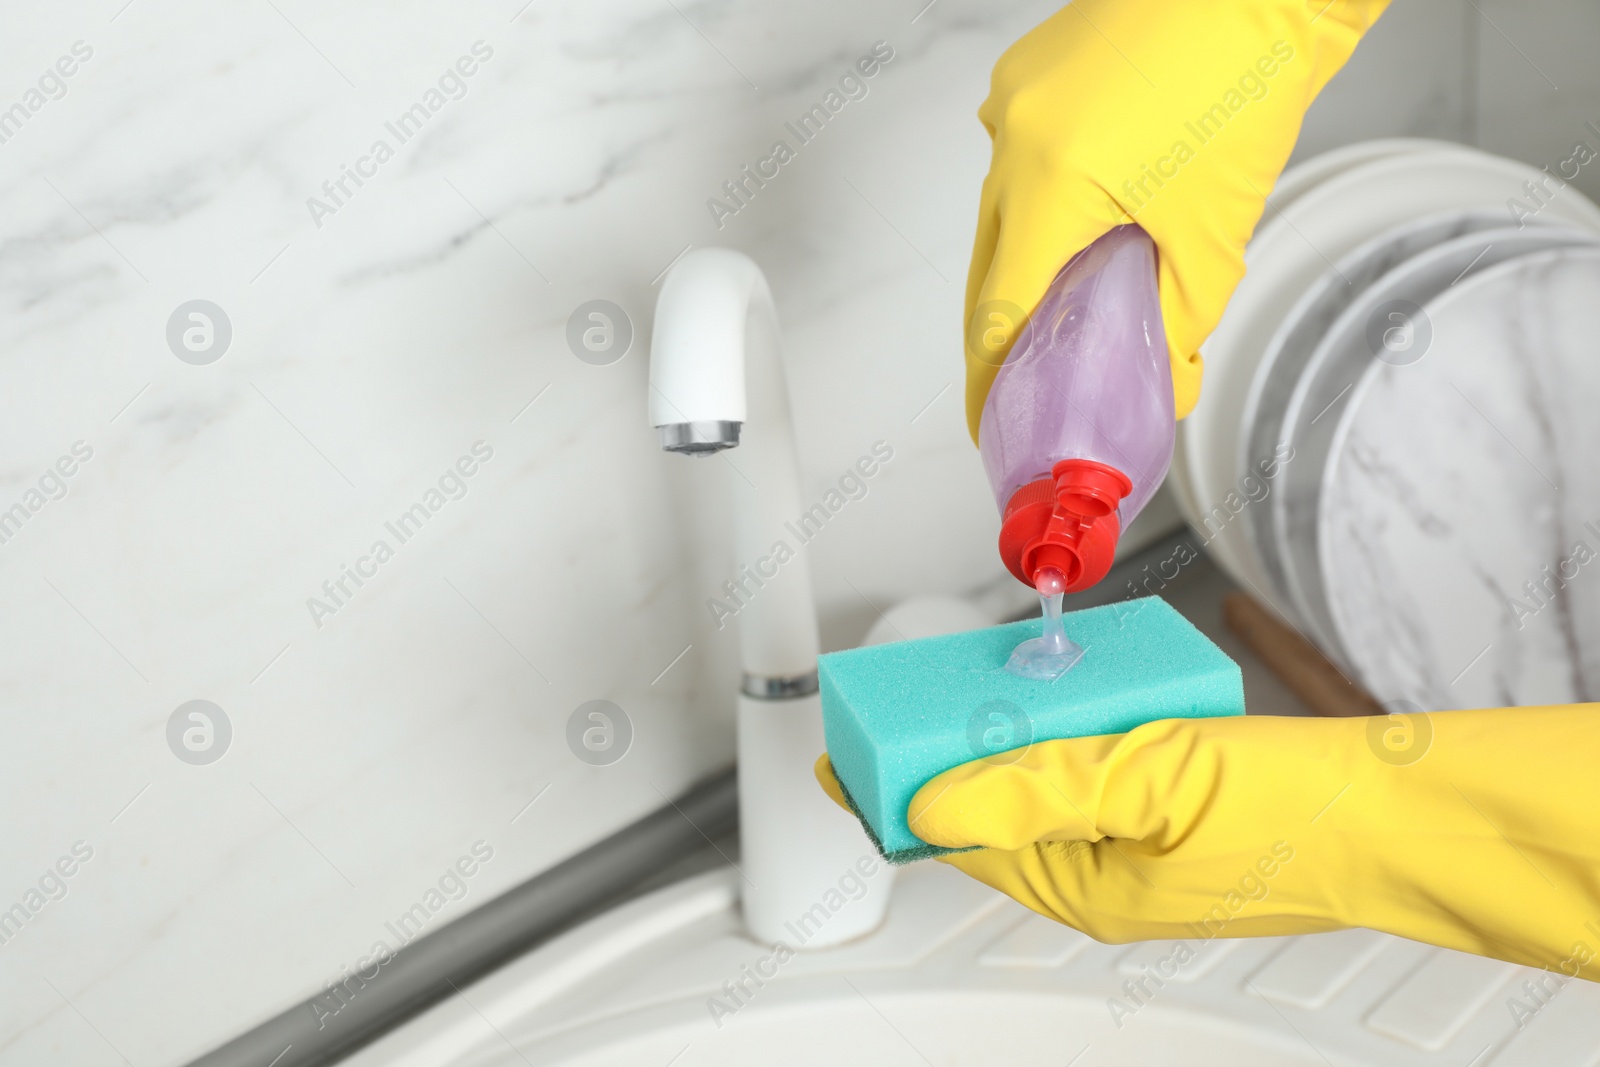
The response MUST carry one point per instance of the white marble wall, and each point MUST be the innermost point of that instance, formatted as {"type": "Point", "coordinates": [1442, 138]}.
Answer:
{"type": "Point", "coordinates": [369, 353]}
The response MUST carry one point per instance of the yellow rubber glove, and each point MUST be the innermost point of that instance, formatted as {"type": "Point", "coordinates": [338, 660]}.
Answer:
{"type": "Point", "coordinates": [1472, 830]}
{"type": "Point", "coordinates": [1176, 114]}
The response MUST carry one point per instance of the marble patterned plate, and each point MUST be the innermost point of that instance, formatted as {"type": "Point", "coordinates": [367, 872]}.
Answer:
{"type": "Point", "coordinates": [1288, 254]}
{"type": "Point", "coordinates": [1348, 351]}
{"type": "Point", "coordinates": [1261, 441]}
{"type": "Point", "coordinates": [1460, 520]}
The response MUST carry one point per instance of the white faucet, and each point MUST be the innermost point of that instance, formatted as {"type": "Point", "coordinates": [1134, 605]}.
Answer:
{"type": "Point", "coordinates": [716, 382]}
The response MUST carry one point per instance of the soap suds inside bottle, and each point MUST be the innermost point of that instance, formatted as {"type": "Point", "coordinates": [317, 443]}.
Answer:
{"type": "Point", "coordinates": [1053, 653]}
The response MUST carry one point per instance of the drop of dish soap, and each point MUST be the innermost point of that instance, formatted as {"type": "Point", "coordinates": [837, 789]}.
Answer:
{"type": "Point", "coordinates": [1049, 656]}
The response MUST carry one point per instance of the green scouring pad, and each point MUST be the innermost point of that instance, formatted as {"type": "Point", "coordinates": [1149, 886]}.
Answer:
{"type": "Point", "coordinates": [897, 715]}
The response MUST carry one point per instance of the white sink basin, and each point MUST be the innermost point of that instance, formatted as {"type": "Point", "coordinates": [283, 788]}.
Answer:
{"type": "Point", "coordinates": [959, 975]}
{"type": "Point", "coordinates": [913, 1028]}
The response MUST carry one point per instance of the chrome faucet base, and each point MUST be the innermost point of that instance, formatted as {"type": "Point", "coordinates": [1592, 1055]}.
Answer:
{"type": "Point", "coordinates": [763, 687]}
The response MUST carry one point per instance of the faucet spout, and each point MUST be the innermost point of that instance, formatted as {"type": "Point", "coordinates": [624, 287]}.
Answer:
{"type": "Point", "coordinates": [714, 308]}
{"type": "Point", "coordinates": [717, 383]}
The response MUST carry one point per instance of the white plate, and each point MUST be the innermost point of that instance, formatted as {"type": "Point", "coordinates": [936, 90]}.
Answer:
{"type": "Point", "coordinates": [1302, 329]}
{"type": "Point", "coordinates": [1455, 481]}
{"type": "Point", "coordinates": [1327, 387]}
{"type": "Point", "coordinates": [1301, 178]}
{"type": "Point", "coordinates": [1288, 254]}
{"type": "Point", "coordinates": [1295, 181]}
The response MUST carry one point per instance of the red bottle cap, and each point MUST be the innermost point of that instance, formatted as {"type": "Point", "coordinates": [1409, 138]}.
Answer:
{"type": "Point", "coordinates": [1067, 521]}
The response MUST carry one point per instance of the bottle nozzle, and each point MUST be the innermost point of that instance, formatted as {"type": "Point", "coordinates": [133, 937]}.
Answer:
{"type": "Point", "coordinates": [1049, 581]}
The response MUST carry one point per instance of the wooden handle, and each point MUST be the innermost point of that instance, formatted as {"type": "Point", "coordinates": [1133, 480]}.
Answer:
{"type": "Point", "coordinates": [1301, 666]}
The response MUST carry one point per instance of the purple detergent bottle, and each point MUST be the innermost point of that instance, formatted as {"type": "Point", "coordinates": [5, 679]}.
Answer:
{"type": "Point", "coordinates": [1078, 427]}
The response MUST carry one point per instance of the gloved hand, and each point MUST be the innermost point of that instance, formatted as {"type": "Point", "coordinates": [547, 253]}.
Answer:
{"type": "Point", "coordinates": [1175, 114]}
{"type": "Point", "coordinates": [1472, 830]}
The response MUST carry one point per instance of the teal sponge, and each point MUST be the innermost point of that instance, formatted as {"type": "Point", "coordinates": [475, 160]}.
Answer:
{"type": "Point", "coordinates": [897, 715]}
